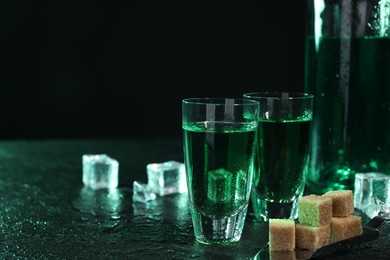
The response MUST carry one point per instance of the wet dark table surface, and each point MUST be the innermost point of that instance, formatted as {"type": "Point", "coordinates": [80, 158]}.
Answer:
{"type": "Point", "coordinates": [46, 213]}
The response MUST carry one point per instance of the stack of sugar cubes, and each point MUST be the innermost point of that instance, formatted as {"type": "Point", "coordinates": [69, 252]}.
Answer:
{"type": "Point", "coordinates": [322, 219]}
{"type": "Point", "coordinates": [326, 219]}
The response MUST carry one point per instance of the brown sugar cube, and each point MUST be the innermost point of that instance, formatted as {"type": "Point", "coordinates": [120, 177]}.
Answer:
{"type": "Point", "coordinates": [282, 255]}
{"type": "Point", "coordinates": [342, 202]}
{"type": "Point", "coordinates": [315, 210]}
{"type": "Point", "coordinates": [281, 235]}
{"type": "Point", "coordinates": [310, 237]}
{"type": "Point", "coordinates": [344, 228]}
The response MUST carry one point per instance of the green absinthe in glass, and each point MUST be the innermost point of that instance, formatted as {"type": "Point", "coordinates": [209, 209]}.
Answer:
{"type": "Point", "coordinates": [350, 79]}
{"type": "Point", "coordinates": [219, 163]}
{"type": "Point", "coordinates": [283, 157]}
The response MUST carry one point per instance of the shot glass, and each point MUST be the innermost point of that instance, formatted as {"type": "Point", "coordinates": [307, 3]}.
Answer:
{"type": "Point", "coordinates": [219, 140]}
{"type": "Point", "coordinates": [282, 154]}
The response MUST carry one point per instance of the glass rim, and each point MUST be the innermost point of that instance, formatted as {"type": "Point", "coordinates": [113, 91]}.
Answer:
{"type": "Point", "coordinates": [278, 94]}
{"type": "Point", "coordinates": [219, 101]}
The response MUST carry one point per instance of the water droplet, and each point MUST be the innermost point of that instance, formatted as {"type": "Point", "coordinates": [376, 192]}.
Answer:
{"type": "Point", "coordinates": [115, 216]}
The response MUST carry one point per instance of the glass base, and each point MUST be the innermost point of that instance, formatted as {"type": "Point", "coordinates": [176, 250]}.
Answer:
{"type": "Point", "coordinates": [264, 210]}
{"type": "Point", "coordinates": [218, 230]}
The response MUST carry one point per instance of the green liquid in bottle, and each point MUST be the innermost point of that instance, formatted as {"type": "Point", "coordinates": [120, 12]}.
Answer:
{"type": "Point", "coordinates": [350, 79]}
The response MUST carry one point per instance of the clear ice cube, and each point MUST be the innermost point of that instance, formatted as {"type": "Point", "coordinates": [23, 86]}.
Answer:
{"type": "Point", "coordinates": [100, 171]}
{"type": "Point", "coordinates": [372, 193]}
{"type": "Point", "coordinates": [219, 185]}
{"type": "Point", "coordinates": [142, 192]}
{"type": "Point", "coordinates": [167, 178]}
{"type": "Point", "coordinates": [378, 208]}
{"type": "Point", "coordinates": [241, 185]}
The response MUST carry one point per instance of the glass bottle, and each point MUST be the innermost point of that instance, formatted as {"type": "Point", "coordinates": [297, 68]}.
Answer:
{"type": "Point", "coordinates": [347, 68]}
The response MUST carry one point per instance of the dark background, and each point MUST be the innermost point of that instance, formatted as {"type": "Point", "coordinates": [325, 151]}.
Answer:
{"type": "Point", "coordinates": [115, 69]}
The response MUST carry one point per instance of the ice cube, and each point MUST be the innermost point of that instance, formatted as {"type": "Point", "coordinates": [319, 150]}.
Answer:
{"type": "Point", "coordinates": [241, 185]}
{"type": "Point", "coordinates": [372, 193]}
{"type": "Point", "coordinates": [378, 208]}
{"type": "Point", "coordinates": [167, 177]}
{"type": "Point", "coordinates": [142, 192]}
{"type": "Point", "coordinates": [100, 171]}
{"type": "Point", "coordinates": [219, 185]}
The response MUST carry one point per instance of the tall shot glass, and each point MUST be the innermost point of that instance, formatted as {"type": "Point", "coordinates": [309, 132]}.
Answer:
{"type": "Point", "coordinates": [219, 140]}
{"type": "Point", "coordinates": [284, 136]}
